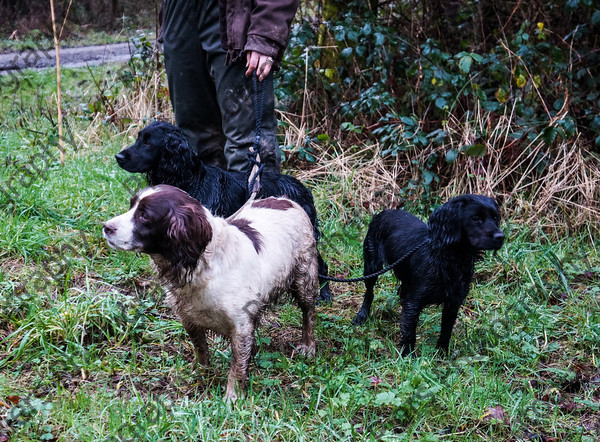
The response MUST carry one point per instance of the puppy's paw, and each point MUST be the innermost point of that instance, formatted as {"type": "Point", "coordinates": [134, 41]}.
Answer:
{"type": "Point", "coordinates": [360, 319]}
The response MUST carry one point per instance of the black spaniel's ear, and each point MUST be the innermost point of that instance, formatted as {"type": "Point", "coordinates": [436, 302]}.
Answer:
{"type": "Point", "coordinates": [175, 141]}
{"type": "Point", "coordinates": [445, 223]}
{"type": "Point", "coordinates": [178, 158]}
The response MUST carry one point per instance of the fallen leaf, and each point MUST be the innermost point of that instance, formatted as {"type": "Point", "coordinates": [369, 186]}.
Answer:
{"type": "Point", "coordinates": [495, 413]}
{"type": "Point", "coordinates": [13, 399]}
{"type": "Point", "coordinates": [375, 381]}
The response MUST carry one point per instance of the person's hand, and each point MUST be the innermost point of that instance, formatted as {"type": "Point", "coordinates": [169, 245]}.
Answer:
{"type": "Point", "coordinates": [261, 63]}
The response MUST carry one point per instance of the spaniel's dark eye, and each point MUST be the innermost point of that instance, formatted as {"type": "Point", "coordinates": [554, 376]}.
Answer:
{"type": "Point", "coordinates": [142, 216]}
{"type": "Point", "coordinates": [477, 218]}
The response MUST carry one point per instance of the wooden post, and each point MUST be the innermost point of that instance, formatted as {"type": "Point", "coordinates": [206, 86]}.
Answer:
{"type": "Point", "coordinates": [61, 148]}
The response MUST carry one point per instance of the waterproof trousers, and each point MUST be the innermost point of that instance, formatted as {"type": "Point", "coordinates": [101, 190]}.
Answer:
{"type": "Point", "coordinates": [213, 101]}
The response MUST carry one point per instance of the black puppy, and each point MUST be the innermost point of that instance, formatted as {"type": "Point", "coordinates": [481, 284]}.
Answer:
{"type": "Point", "coordinates": [438, 272]}
{"type": "Point", "coordinates": [164, 154]}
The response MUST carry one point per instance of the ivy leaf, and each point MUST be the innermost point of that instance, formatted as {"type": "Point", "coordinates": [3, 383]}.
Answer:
{"type": "Point", "coordinates": [441, 102]}
{"type": "Point", "coordinates": [346, 52]}
{"type": "Point", "coordinates": [476, 57]}
{"type": "Point", "coordinates": [521, 81]}
{"type": "Point", "coordinates": [464, 64]}
{"type": "Point", "coordinates": [407, 120]}
{"type": "Point", "coordinates": [340, 34]}
{"type": "Point", "coordinates": [501, 95]}
{"type": "Point", "coordinates": [474, 150]}
{"type": "Point", "coordinates": [451, 155]}
{"type": "Point", "coordinates": [428, 177]}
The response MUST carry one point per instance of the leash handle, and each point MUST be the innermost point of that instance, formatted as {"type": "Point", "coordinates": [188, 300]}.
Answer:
{"type": "Point", "coordinates": [254, 153]}
{"type": "Point", "coordinates": [379, 272]}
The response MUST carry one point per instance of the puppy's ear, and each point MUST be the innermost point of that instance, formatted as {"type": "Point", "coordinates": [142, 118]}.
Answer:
{"type": "Point", "coordinates": [189, 232]}
{"type": "Point", "coordinates": [445, 223]}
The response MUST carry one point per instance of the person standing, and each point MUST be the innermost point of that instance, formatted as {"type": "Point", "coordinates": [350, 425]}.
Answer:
{"type": "Point", "coordinates": [212, 48]}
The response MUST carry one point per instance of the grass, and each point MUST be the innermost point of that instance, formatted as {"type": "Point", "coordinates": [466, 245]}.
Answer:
{"type": "Point", "coordinates": [90, 351]}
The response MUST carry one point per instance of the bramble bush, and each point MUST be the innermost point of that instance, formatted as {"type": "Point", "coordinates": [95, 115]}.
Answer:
{"type": "Point", "coordinates": [409, 76]}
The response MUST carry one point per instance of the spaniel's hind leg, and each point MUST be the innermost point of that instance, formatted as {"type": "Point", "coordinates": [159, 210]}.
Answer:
{"type": "Point", "coordinates": [305, 289]}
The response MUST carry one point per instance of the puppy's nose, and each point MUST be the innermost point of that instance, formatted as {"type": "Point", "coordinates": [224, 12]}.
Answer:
{"type": "Point", "coordinates": [121, 156]}
{"type": "Point", "coordinates": [108, 228]}
{"type": "Point", "coordinates": [499, 236]}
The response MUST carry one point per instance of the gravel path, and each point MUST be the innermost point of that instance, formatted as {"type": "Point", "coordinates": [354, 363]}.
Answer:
{"type": "Point", "coordinates": [69, 57]}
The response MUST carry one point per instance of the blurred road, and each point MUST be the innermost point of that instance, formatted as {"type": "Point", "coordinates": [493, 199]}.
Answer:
{"type": "Point", "coordinates": [69, 57]}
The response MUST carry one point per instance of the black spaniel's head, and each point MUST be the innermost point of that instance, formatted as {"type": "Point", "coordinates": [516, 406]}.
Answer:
{"type": "Point", "coordinates": [468, 220]}
{"type": "Point", "coordinates": [159, 141]}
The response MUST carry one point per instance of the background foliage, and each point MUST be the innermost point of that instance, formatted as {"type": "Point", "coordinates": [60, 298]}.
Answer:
{"type": "Point", "coordinates": [404, 68]}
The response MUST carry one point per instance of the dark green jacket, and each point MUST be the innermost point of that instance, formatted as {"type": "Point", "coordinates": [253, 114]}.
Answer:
{"type": "Point", "coordinates": [256, 25]}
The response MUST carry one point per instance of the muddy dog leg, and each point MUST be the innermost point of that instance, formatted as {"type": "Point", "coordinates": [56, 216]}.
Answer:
{"type": "Point", "coordinates": [198, 337]}
{"type": "Point", "coordinates": [305, 289]}
{"type": "Point", "coordinates": [241, 350]}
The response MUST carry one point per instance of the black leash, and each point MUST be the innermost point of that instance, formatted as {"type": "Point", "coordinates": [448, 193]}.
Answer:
{"type": "Point", "coordinates": [254, 154]}
{"type": "Point", "coordinates": [380, 272]}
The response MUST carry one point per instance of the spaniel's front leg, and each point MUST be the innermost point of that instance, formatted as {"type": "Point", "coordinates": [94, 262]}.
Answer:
{"type": "Point", "coordinates": [241, 350]}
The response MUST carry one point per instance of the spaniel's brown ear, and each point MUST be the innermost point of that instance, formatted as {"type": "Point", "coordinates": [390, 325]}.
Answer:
{"type": "Point", "coordinates": [190, 232]}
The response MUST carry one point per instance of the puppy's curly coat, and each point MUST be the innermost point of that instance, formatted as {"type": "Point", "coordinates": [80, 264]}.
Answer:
{"type": "Point", "coordinates": [440, 271]}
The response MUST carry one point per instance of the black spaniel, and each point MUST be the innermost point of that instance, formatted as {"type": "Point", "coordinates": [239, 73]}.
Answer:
{"type": "Point", "coordinates": [438, 272]}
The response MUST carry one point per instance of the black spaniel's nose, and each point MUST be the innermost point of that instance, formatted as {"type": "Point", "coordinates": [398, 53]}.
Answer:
{"type": "Point", "coordinates": [122, 156]}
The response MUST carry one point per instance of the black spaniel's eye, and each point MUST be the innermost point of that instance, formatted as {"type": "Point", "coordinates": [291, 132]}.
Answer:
{"type": "Point", "coordinates": [477, 218]}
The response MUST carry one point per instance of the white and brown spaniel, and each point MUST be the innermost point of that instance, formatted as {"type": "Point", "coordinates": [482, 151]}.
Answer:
{"type": "Point", "coordinates": [220, 274]}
